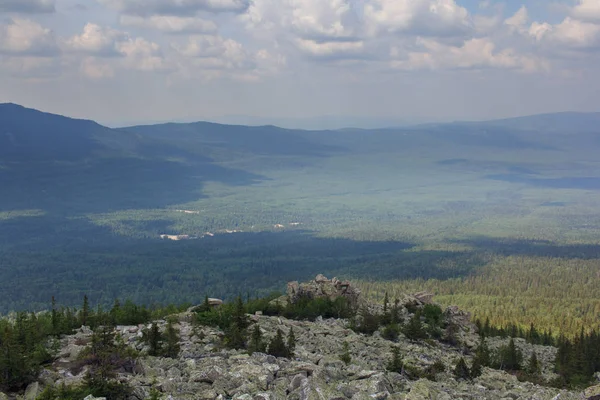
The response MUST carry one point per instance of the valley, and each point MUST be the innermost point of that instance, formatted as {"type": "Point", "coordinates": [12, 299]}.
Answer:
{"type": "Point", "coordinates": [497, 217]}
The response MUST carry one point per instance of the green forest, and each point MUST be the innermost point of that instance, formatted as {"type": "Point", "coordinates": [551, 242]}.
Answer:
{"type": "Point", "coordinates": [497, 217]}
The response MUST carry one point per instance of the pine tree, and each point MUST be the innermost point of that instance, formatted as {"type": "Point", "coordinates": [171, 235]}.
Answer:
{"type": "Point", "coordinates": [256, 341]}
{"type": "Point", "coordinates": [152, 337]}
{"type": "Point", "coordinates": [395, 364]}
{"type": "Point", "coordinates": [54, 317]}
{"type": "Point", "coordinates": [476, 369]}
{"type": "Point", "coordinates": [414, 329]}
{"type": "Point", "coordinates": [482, 354]}
{"type": "Point", "coordinates": [291, 343]}
{"type": "Point", "coordinates": [533, 366]}
{"type": "Point", "coordinates": [461, 370]}
{"type": "Point", "coordinates": [85, 311]}
{"type": "Point", "coordinates": [511, 357]}
{"type": "Point", "coordinates": [345, 356]}
{"type": "Point", "coordinates": [277, 346]}
{"type": "Point", "coordinates": [171, 339]}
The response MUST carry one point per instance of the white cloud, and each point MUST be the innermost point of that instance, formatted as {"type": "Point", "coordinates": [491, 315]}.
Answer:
{"type": "Point", "coordinates": [570, 34]}
{"type": "Point", "coordinates": [102, 42]}
{"type": "Point", "coordinates": [175, 7]}
{"type": "Point", "coordinates": [170, 24]}
{"type": "Point", "coordinates": [25, 37]}
{"type": "Point", "coordinates": [587, 10]}
{"type": "Point", "coordinates": [519, 20]}
{"type": "Point", "coordinates": [473, 54]}
{"type": "Point", "coordinates": [209, 57]}
{"type": "Point", "coordinates": [418, 17]}
{"type": "Point", "coordinates": [97, 40]}
{"type": "Point", "coordinates": [27, 6]}
{"type": "Point", "coordinates": [315, 27]}
{"type": "Point", "coordinates": [142, 55]}
{"type": "Point", "coordinates": [352, 49]}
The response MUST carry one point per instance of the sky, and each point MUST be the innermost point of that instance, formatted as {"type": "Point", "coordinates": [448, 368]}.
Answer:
{"type": "Point", "coordinates": [134, 61]}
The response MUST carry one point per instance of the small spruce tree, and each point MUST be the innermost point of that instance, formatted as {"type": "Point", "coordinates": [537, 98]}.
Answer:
{"type": "Point", "coordinates": [461, 370]}
{"type": "Point", "coordinates": [171, 341]}
{"type": "Point", "coordinates": [291, 343]}
{"type": "Point", "coordinates": [256, 343]}
{"type": "Point", "coordinates": [345, 356]}
{"type": "Point", "coordinates": [277, 346]}
{"type": "Point", "coordinates": [533, 366]}
{"type": "Point", "coordinates": [395, 364]}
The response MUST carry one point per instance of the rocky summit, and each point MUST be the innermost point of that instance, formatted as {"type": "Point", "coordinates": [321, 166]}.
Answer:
{"type": "Point", "coordinates": [331, 361]}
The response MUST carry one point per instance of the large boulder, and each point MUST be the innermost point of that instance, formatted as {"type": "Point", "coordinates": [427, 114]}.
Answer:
{"type": "Point", "coordinates": [592, 393]}
{"type": "Point", "coordinates": [321, 287]}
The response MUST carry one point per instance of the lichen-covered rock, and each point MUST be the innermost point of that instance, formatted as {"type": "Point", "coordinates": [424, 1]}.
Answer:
{"type": "Point", "coordinates": [592, 393]}
{"type": "Point", "coordinates": [206, 371]}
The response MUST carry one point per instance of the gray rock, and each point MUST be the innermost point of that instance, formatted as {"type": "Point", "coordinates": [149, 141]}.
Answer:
{"type": "Point", "coordinates": [32, 391]}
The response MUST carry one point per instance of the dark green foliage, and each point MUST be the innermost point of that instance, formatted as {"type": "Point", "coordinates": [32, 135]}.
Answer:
{"type": "Point", "coordinates": [414, 330]}
{"type": "Point", "coordinates": [291, 343]}
{"type": "Point", "coordinates": [277, 346]}
{"type": "Point", "coordinates": [510, 357]}
{"type": "Point", "coordinates": [368, 322]}
{"type": "Point", "coordinates": [306, 308]}
{"type": "Point", "coordinates": [171, 345]}
{"type": "Point", "coordinates": [461, 370]}
{"type": "Point", "coordinates": [483, 355]}
{"type": "Point", "coordinates": [256, 343]}
{"type": "Point", "coordinates": [476, 369]}
{"type": "Point", "coordinates": [152, 337]}
{"type": "Point", "coordinates": [433, 314]}
{"type": "Point", "coordinates": [391, 332]}
{"type": "Point", "coordinates": [345, 356]}
{"type": "Point", "coordinates": [106, 354]}
{"type": "Point", "coordinates": [533, 365]}
{"type": "Point", "coordinates": [84, 315]}
{"type": "Point", "coordinates": [395, 364]}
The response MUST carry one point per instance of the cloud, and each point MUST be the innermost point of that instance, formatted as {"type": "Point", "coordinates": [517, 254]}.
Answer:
{"type": "Point", "coordinates": [170, 24]}
{"type": "Point", "coordinates": [104, 42]}
{"type": "Point", "coordinates": [25, 37]}
{"type": "Point", "coordinates": [97, 40]}
{"type": "Point", "coordinates": [143, 55]}
{"type": "Point", "coordinates": [175, 7]}
{"type": "Point", "coordinates": [417, 17]}
{"type": "Point", "coordinates": [570, 34]}
{"type": "Point", "coordinates": [478, 53]}
{"type": "Point", "coordinates": [332, 50]}
{"type": "Point", "coordinates": [519, 20]}
{"type": "Point", "coordinates": [210, 57]}
{"type": "Point", "coordinates": [27, 6]}
{"type": "Point", "coordinates": [325, 29]}
{"type": "Point", "coordinates": [214, 51]}
{"type": "Point", "coordinates": [587, 10]}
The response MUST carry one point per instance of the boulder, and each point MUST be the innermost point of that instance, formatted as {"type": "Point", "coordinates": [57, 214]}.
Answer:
{"type": "Point", "coordinates": [3, 396]}
{"type": "Point", "coordinates": [592, 393]}
{"type": "Point", "coordinates": [32, 391]}
{"type": "Point", "coordinates": [321, 287]}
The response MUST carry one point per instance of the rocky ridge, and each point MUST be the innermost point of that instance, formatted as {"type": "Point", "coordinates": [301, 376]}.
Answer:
{"type": "Point", "coordinates": [206, 371]}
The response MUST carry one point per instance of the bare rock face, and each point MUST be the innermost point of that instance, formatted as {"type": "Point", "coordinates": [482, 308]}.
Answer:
{"type": "Point", "coordinates": [321, 287]}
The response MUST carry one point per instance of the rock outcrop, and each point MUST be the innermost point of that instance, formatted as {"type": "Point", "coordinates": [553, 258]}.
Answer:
{"type": "Point", "coordinates": [205, 370]}
{"type": "Point", "coordinates": [321, 287]}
